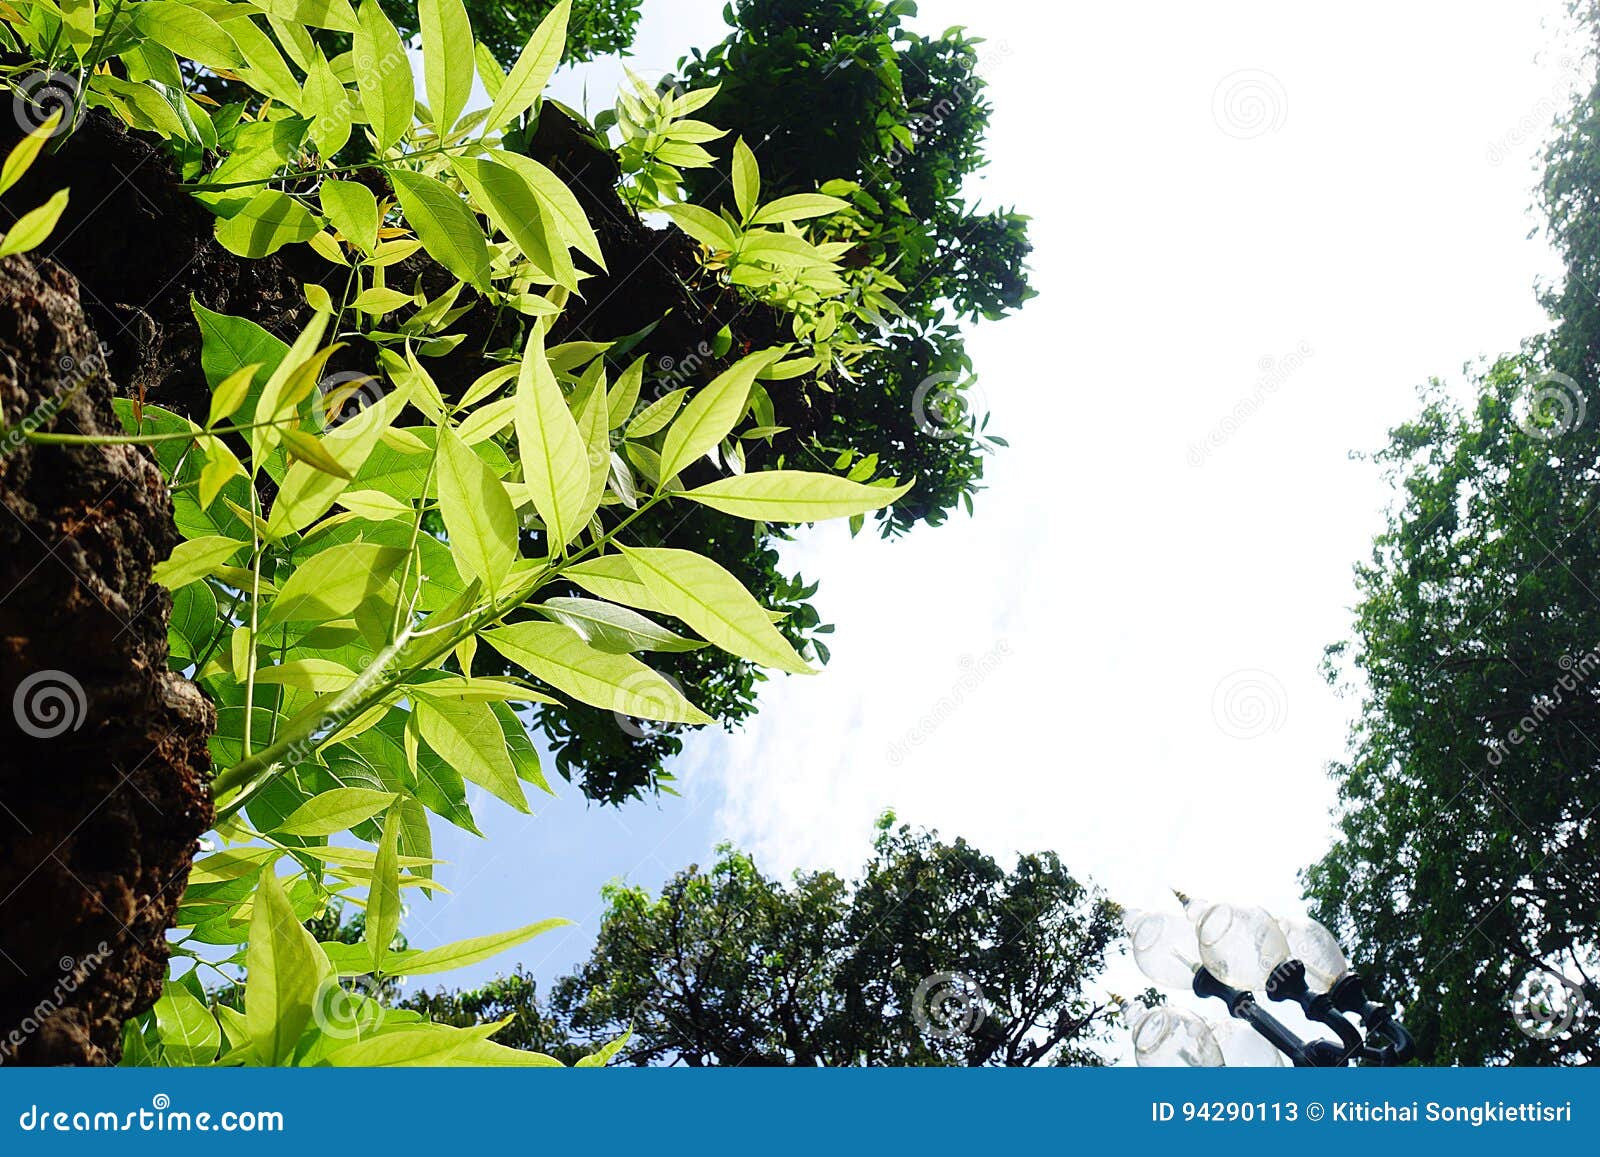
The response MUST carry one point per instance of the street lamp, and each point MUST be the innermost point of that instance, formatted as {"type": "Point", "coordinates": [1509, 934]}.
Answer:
{"type": "Point", "coordinates": [1226, 951]}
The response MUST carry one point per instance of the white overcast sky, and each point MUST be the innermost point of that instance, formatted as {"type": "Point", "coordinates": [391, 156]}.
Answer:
{"type": "Point", "coordinates": [1283, 211]}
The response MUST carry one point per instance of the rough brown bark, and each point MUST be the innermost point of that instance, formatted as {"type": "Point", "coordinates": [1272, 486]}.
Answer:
{"type": "Point", "coordinates": [103, 760]}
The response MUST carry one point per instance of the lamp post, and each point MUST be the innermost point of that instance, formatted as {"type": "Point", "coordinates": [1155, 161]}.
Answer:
{"type": "Point", "coordinates": [1230, 952]}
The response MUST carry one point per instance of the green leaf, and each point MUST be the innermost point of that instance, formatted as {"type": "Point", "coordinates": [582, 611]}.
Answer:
{"type": "Point", "coordinates": [489, 70]}
{"type": "Point", "coordinates": [616, 630]}
{"type": "Point", "coordinates": [515, 210]}
{"type": "Point", "coordinates": [20, 159]}
{"type": "Point", "coordinates": [308, 448]}
{"type": "Point", "coordinates": [611, 577]}
{"type": "Point", "coordinates": [447, 59]}
{"type": "Point", "coordinates": [284, 969]}
{"type": "Point", "coordinates": [306, 493]}
{"type": "Point", "coordinates": [624, 394]}
{"type": "Point", "coordinates": [467, 736]}
{"type": "Point", "coordinates": [334, 582]}
{"type": "Point", "coordinates": [798, 207]}
{"type": "Point", "coordinates": [654, 417]}
{"type": "Point", "coordinates": [703, 225]}
{"type": "Point", "coordinates": [445, 226]}
{"type": "Point", "coordinates": [334, 811]}
{"type": "Point", "coordinates": [194, 559]}
{"type": "Point", "coordinates": [318, 675]}
{"type": "Point", "coordinates": [228, 344]}
{"type": "Point", "coordinates": [558, 655]}
{"type": "Point", "coordinates": [269, 222]}
{"type": "Point", "coordinates": [33, 227]}
{"type": "Point", "coordinates": [267, 72]}
{"type": "Point", "coordinates": [428, 1046]}
{"type": "Point", "coordinates": [383, 77]}
{"type": "Point", "coordinates": [555, 462]}
{"type": "Point", "coordinates": [711, 414]}
{"type": "Point", "coordinates": [334, 14]}
{"type": "Point", "coordinates": [746, 179]}
{"type": "Point", "coordinates": [383, 898]}
{"type": "Point", "coordinates": [559, 202]}
{"type": "Point", "coordinates": [188, 32]}
{"type": "Point", "coordinates": [532, 71]}
{"type": "Point", "coordinates": [324, 98]}
{"type": "Point", "coordinates": [793, 496]}
{"type": "Point", "coordinates": [189, 1033]}
{"type": "Point", "coordinates": [231, 393]}
{"type": "Point", "coordinates": [701, 593]}
{"type": "Point", "coordinates": [478, 516]}
{"type": "Point", "coordinates": [479, 948]}
{"type": "Point", "coordinates": [353, 210]}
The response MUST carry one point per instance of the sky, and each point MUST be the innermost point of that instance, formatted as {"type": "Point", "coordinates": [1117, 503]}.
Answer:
{"type": "Point", "coordinates": [1258, 228]}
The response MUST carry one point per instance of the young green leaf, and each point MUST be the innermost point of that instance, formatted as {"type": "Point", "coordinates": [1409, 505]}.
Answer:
{"type": "Point", "coordinates": [309, 449]}
{"type": "Point", "coordinates": [284, 968]}
{"type": "Point", "coordinates": [616, 630]}
{"type": "Point", "coordinates": [445, 226]}
{"type": "Point", "coordinates": [746, 179]}
{"type": "Point", "coordinates": [467, 736]}
{"type": "Point", "coordinates": [711, 414]}
{"type": "Point", "coordinates": [654, 417]}
{"type": "Point", "coordinates": [334, 582]}
{"type": "Point", "coordinates": [383, 77]}
{"type": "Point", "coordinates": [701, 593]}
{"type": "Point", "coordinates": [353, 210]}
{"type": "Point", "coordinates": [33, 227]}
{"type": "Point", "coordinates": [532, 71]}
{"type": "Point", "coordinates": [624, 394]}
{"type": "Point", "coordinates": [336, 15]}
{"type": "Point", "coordinates": [555, 463]}
{"type": "Point", "coordinates": [231, 393]}
{"type": "Point", "coordinates": [194, 559]}
{"type": "Point", "coordinates": [269, 222]}
{"type": "Point", "coordinates": [798, 207]}
{"type": "Point", "coordinates": [462, 953]}
{"type": "Point", "coordinates": [792, 496]}
{"type": "Point", "coordinates": [20, 159]}
{"type": "Point", "coordinates": [383, 898]}
{"type": "Point", "coordinates": [559, 656]}
{"type": "Point", "coordinates": [188, 32]}
{"type": "Point", "coordinates": [478, 516]}
{"type": "Point", "coordinates": [335, 811]}
{"type": "Point", "coordinates": [558, 201]}
{"type": "Point", "coordinates": [189, 1033]}
{"type": "Point", "coordinates": [447, 59]}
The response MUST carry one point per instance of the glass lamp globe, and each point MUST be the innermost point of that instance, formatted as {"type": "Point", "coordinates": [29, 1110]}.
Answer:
{"type": "Point", "coordinates": [1244, 1048]}
{"type": "Point", "coordinates": [1314, 946]}
{"type": "Point", "coordinates": [1240, 946]}
{"type": "Point", "coordinates": [1164, 948]}
{"type": "Point", "coordinates": [1169, 1037]}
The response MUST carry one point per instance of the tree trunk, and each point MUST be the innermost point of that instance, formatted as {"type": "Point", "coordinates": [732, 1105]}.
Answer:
{"type": "Point", "coordinates": [103, 760]}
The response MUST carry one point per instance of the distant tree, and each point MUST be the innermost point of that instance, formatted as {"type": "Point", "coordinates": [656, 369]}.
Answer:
{"type": "Point", "coordinates": [936, 955]}
{"type": "Point", "coordinates": [1467, 869]}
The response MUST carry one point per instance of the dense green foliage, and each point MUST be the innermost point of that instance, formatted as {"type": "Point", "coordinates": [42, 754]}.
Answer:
{"type": "Point", "coordinates": [840, 89]}
{"type": "Point", "coordinates": [1467, 872]}
{"type": "Point", "coordinates": [934, 955]}
{"type": "Point", "coordinates": [351, 540]}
